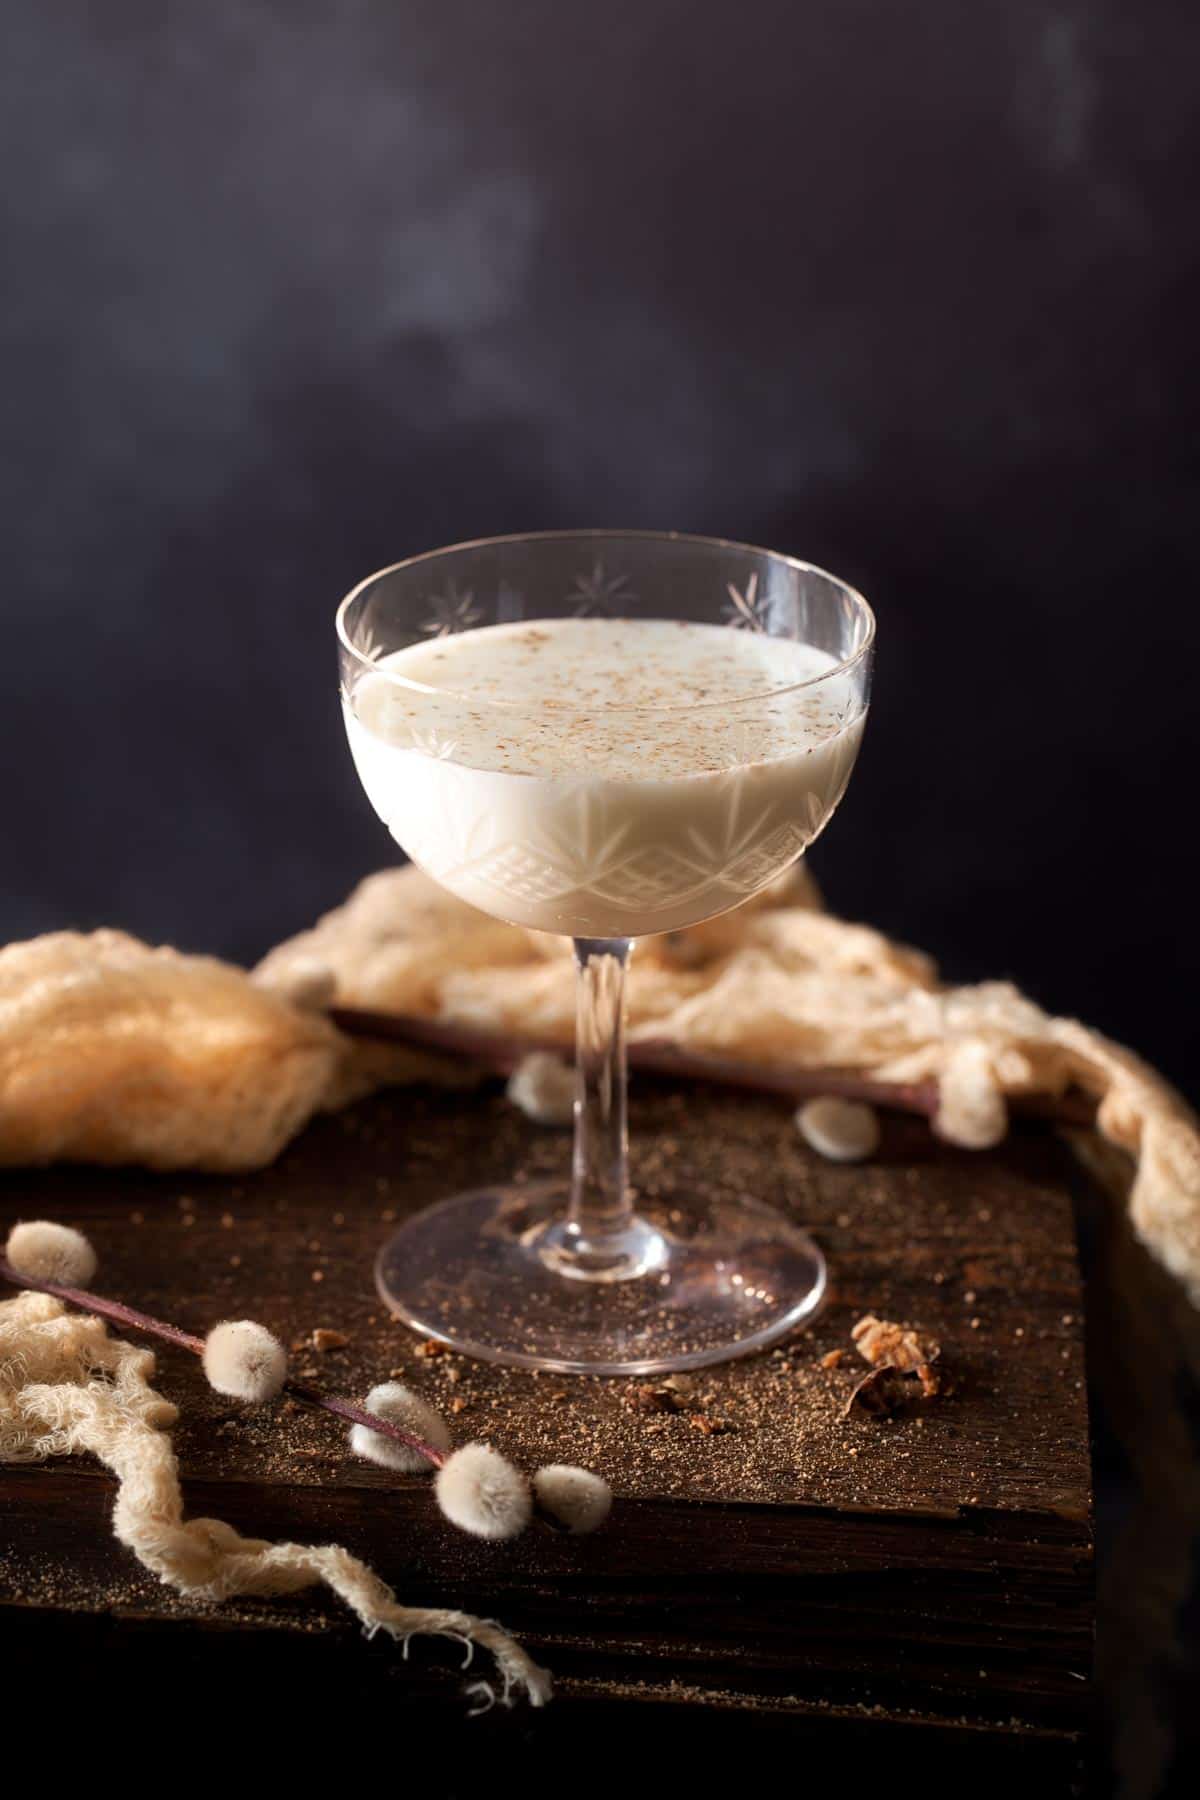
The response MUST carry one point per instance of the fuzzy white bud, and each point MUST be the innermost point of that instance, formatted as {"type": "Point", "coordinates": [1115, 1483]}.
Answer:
{"type": "Point", "coordinates": [401, 1407]}
{"type": "Point", "coordinates": [574, 1497]}
{"type": "Point", "coordinates": [308, 984]}
{"type": "Point", "coordinates": [43, 1251]}
{"type": "Point", "coordinates": [243, 1359]}
{"type": "Point", "coordinates": [543, 1086]}
{"type": "Point", "coordinates": [481, 1492]}
{"type": "Point", "coordinates": [841, 1130]}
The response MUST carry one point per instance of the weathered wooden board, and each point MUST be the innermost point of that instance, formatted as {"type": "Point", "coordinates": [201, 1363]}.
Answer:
{"type": "Point", "coordinates": [879, 1579]}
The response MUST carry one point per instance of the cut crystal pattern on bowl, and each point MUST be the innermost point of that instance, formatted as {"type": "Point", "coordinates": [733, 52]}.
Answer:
{"type": "Point", "coordinates": [752, 871]}
{"type": "Point", "coordinates": [451, 611]}
{"type": "Point", "coordinates": [600, 595]}
{"type": "Point", "coordinates": [584, 861]}
{"type": "Point", "coordinates": [647, 878]}
{"type": "Point", "coordinates": [745, 611]}
{"type": "Point", "coordinates": [517, 872]}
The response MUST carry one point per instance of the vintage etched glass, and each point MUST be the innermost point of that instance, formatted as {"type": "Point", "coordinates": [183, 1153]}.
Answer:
{"type": "Point", "coordinates": [603, 735]}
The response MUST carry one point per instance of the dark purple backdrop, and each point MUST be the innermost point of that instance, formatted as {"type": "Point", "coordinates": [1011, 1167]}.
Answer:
{"type": "Point", "coordinates": [296, 288]}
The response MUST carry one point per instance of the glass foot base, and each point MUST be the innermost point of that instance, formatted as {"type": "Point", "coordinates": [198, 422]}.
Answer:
{"type": "Point", "coordinates": [497, 1275]}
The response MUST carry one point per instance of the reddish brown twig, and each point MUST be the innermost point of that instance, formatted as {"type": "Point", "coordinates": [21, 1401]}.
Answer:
{"type": "Point", "coordinates": [358, 1415]}
{"type": "Point", "coordinates": [132, 1320]}
{"type": "Point", "coordinates": [502, 1051]}
{"type": "Point", "coordinates": [116, 1310]}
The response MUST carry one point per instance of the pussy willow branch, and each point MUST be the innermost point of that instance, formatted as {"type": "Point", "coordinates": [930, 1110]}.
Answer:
{"type": "Point", "coordinates": [132, 1320]}
{"type": "Point", "coordinates": [502, 1051]}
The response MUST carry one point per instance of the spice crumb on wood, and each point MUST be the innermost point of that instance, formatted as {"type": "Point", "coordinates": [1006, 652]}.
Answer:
{"type": "Point", "coordinates": [880, 1392]}
{"type": "Point", "coordinates": [901, 1347]}
{"type": "Point", "coordinates": [786, 1407]}
{"type": "Point", "coordinates": [325, 1338]}
{"type": "Point", "coordinates": [645, 1397]}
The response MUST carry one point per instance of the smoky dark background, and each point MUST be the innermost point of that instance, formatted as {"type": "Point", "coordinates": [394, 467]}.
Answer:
{"type": "Point", "coordinates": [294, 290]}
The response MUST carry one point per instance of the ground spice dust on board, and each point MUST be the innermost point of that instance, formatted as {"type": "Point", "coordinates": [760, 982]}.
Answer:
{"type": "Point", "coordinates": [904, 1235]}
{"type": "Point", "coordinates": [765, 1430]}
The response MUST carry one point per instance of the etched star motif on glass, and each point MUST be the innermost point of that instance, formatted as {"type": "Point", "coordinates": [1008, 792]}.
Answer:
{"type": "Point", "coordinates": [599, 595]}
{"type": "Point", "coordinates": [745, 611]}
{"type": "Point", "coordinates": [451, 611]}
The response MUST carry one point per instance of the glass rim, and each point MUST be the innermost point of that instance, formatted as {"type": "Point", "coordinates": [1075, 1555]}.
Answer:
{"type": "Point", "coordinates": [369, 665]}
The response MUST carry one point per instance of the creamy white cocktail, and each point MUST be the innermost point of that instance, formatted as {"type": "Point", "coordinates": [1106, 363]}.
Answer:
{"type": "Point", "coordinates": [602, 734]}
{"type": "Point", "coordinates": [604, 777]}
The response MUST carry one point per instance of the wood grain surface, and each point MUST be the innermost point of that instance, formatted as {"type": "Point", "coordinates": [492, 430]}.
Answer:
{"type": "Point", "coordinates": [781, 1565]}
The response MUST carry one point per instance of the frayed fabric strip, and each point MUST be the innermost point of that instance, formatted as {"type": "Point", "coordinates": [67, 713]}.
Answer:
{"type": "Point", "coordinates": [66, 1386]}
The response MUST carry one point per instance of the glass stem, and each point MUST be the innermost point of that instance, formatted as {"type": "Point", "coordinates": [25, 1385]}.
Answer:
{"type": "Point", "coordinates": [601, 1212]}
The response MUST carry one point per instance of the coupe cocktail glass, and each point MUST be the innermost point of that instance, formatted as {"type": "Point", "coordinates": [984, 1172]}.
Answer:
{"type": "Point", "coordinates": [603, 735]}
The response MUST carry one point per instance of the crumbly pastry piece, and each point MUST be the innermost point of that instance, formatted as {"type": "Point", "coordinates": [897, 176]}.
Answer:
{"type": "Point", "coordinates": [112, 1052]}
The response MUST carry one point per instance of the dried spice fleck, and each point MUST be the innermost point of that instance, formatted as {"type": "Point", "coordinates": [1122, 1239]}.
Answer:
{"type": "Point", "coordinates": [788, 1443]}
{"type": "Point", "coordinates": [325, 1338]}
{"type": "Point", "coordinates": [644, 1397]}
{"type": "Point", "coordinates": [881, 1391]}
{"type": "Point", "coordinates": [901, 1347]}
